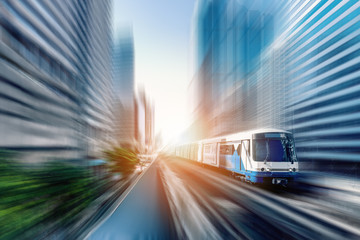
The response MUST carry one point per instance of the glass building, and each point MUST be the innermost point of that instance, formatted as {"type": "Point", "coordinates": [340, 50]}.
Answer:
{"type": "Point", "coordinates": [321, 46]}
{"type": "Point", "coordinates": [281, 64]}
{"type": "Point", "coordinates": [124, 65]}
{"type": "Point", "coordinates": [123, 80]}
{"type": "Point", "coordinates": [232, 39]}
{"type": "Point", "coordinates": [55, 77]}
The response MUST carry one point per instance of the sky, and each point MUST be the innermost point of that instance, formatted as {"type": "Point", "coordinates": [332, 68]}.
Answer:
{"type": "Point", "coordinates": [161, 30]}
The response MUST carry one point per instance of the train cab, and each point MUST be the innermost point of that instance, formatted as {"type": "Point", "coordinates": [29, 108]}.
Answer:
{"type": "Point", "coordinates": [262, 156]}
{"type": "Point", "coordinates": [273, 158]}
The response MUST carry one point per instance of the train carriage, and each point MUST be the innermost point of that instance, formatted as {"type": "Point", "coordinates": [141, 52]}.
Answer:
{"type": "Point", "coordinates": [259, 156]}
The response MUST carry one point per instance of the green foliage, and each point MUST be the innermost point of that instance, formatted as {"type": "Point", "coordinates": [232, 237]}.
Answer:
{"type": "Point", "coordinates": [123, 160]}
{"type": "Point", "coordinates": [32, 199]}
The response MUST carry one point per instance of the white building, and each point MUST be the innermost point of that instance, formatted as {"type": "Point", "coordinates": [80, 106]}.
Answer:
{"type": "Point", "coordinates": [55, 77]}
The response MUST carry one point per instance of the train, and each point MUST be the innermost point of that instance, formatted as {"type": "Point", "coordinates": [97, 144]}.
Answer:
{"type": "Point", "coordinates": [261, 156]}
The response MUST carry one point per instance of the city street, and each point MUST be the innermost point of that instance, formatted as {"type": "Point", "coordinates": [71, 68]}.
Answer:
{"type": "Point", "coordinates": [118, 119]}
{"type": "Point", "coordinates": [142, 213]}
{"type": "Point", "coordinates": [207, 204]}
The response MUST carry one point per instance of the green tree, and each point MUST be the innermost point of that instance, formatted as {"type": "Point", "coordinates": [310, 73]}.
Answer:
{"type": "Point", "coordinates": [34, 198]}
{"type": "Point", "coordinates": [123, 160]}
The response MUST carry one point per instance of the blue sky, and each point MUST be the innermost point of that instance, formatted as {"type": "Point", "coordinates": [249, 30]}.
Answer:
{"type": "Point", "coordinates": [162, 55]}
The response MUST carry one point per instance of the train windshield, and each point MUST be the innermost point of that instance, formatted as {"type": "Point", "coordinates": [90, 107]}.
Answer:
{"type": "Point", "coordinates": [274, 147]}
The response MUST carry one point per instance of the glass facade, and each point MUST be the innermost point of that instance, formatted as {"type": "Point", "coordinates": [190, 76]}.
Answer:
{"type": "Point", "coordinates": [125, 108]}
{"type": "Point", "coordinates": [281, 64]}
{"type": "Point", "coordinates": [55, 77]}
{"type": "Point", "coordinates": [123, 65]}
{"type": "Point", "coordinates": [233, 65]}
{"type": "Point", "coordinates": [322, 54]}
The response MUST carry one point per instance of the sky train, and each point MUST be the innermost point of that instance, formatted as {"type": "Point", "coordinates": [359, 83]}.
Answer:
{"type": "Point", "coordinates": [263, 156]}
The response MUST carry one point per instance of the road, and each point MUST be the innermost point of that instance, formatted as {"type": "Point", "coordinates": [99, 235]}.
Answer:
{"type": "Point", "coordinates": [143, 214]}
{"type": "Point", "coordinates": [177, 199]}
{"type": "Point", "coordinates": [230, 209]}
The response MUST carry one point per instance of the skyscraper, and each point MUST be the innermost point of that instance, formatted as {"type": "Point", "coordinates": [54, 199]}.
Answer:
{"type": "Point", "coordinates": [289, 64]}
{"type": "Point", "coordinates": [123, 79]}
{"type": "Point", "coordinates": [123, 65]}
{"type": "Point", "coordinates": [231, 38]}
{"type": "Point", "coordinates": [55, 77]}
{"type": "Point", "coordinates": [321, 48]}
{"type": "Point", "coordinates": [144, 119]}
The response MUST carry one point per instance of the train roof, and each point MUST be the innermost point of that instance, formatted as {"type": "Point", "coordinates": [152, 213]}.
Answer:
{"type": "Point", "coordinates": [235, 136]}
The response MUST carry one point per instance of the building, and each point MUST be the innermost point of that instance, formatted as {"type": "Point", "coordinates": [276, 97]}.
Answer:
{"type": "Point", "coordinates": [231, 38]}
{"type": "Point", "coordinates": [321, 47]}
{"type": "Point", "coordinates": [134, 113]}
{"type": "Point", "coordinates": [124, 65]}
{"type": "Point", "coordinates": [125, 123]}
{"type": "Point", "coordinates": [124, 101]}
{"type": "Point", "coordinates": [55, 78]}
{"type": "Point", "coordinates": [145, 122]}
{"type": "Point", "coordinates": [291, 65]}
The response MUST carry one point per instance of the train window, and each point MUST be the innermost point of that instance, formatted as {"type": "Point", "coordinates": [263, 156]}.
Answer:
{"type": "Point", "coordinates": [222, 149]}
{"type": "Point", "coordinates": [207, 148]}
{"type": "Point", "coordinates": [192, 151]}
{"type": "Point", "coordinates": [196, 149]}
{"type": "Point", "coordinates": [245, 145]}
{"type": "Point", "coordinates": [227, 149]}
{"type": "Point", "coordinates": [230, 150]}
{"type": "Point", "coordinates": [239, 149]}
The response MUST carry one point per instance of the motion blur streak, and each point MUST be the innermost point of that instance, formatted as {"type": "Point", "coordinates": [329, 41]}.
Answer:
{"type": "Point", "coordinates": [55, 79]}
{"type": "Point", "coordinates": [143, 213]}
{"type": "Point", "coordinates": [188, 216]}
{"type": "Point", "coordinates": [234, 209]}
{"type": "Point", "coordinates": [76, 129]}
{"type": "Point", "coordinates": [292, 65]}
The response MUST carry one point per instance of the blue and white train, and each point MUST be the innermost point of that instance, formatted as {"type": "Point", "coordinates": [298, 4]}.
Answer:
{"type": "Point", "coordinates": [260, 156]}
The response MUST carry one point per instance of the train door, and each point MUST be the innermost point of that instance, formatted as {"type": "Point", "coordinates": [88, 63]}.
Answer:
{"type": "Point", "coordinates": [196, 149]}
{"type": "Point", "coordinates": [226, 151]}
{"type": "Point", "coordinates": [217, 154]}
{"type": "Point", "coordinates": [209, 154]}
{"type": "Point", "coordinates": [192, 151]}
{"type": "Point", "coordinates": [245, 150]}
{"type": "Point", "coordinates": [206, 152]}
{"type": "Point", "coordinates": [200, 153]}
{"type": "Point", "coordinates": [237, 158]}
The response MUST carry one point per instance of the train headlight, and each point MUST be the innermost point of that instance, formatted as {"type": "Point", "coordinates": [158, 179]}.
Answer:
{"type": "Point", "coordinates": [290, 169]}
{"type": "Point", "coordinates": [268, 169]}
{"type": "Point", "coordinates": [294, 169]}
{"type": "Point", "coordinates": [262, 169]}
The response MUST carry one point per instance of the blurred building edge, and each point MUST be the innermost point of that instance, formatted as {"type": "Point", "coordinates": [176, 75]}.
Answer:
{"type": "Point", "coordinates": [124, 117]}
{"type": "Point", "coordinates": [231, 39]}
{"type": "Point", "coordinates": [133, 111]}
{"type": "Point", "coordinates": [134, 126]}
{"type": "Point", "coordinates": [123, 82]}
{"type": "Point", "coordinates": [145, 120]}
{"type": "Point", "coordinates": [123, 65]}
{"type": "Point", "coordinates": [321, 50]}
{"type": "Point", "coordinates": [281, 64]}
{"type": "Point", "coordinates": [55, 78]}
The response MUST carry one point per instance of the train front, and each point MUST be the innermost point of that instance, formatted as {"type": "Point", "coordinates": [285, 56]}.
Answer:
{"type": "Point", "coordinates": [273, 158]}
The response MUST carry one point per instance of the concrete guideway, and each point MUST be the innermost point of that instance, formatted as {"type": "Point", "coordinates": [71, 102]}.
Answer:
{"type": "Point", "coordinates": [177, 199]}
{"type": "Point", "coordinates": [143, 213]}
{"type": "Point", "coordinates": [227, 208]}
